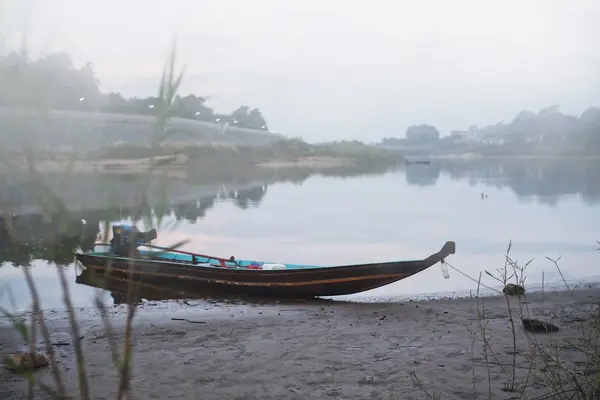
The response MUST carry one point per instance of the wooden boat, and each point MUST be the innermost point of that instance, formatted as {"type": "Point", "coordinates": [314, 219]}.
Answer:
{"type": "Point", "coordinates": [215, 275]}
{"type": "Point", "coordinates": [118, 287]}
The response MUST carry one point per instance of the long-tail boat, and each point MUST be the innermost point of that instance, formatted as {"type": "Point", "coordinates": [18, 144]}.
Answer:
{"type": "Point", "coordinates": [132, 255]}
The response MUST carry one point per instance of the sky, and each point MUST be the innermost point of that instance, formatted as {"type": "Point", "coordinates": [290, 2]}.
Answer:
{"type": "Point", "coordinates": [333, 69]}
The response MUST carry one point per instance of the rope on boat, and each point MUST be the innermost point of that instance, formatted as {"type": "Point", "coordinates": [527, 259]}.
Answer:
{"type": "Point", "coordinates": [444, 262]}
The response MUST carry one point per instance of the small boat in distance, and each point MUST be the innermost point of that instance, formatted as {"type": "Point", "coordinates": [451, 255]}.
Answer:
{"type": "Point", "coordinates": [425, 162]}
{"type": "Point", "coordinates": [218, 275]}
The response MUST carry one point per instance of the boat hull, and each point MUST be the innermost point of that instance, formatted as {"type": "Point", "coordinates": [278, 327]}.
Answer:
{"type": "Point", "coordinates": [293, 283]}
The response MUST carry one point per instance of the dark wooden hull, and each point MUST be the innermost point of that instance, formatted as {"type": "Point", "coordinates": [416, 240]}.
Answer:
{"type": "Point", "coordinates": [291, 283]}
{"type": "Point", "coordinates": [154, 290]}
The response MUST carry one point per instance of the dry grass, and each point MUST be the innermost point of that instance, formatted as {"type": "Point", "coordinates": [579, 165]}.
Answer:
{"type": "Point", "coordinates": [53, 206]}
{"type": "Point", "coordinates": [545, 360]}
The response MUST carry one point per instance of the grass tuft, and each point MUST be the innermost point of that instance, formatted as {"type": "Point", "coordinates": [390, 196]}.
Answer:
{"type": "Point", "coordinates": [53, 206]}
{"type": "Point", "coordinates": [539, 360]}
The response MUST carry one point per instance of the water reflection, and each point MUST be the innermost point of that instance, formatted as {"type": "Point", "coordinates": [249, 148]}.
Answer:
{"type": "Point", "coordinates": [337, 221]}
{"type": "Point", "coordinates": [422, 174]}
{"type": "Point", "coordinates": [546, 180]}
{"type": "Point", "coordinates": [36, 237]}
{"type": "Point", "coordinates": [27, 234]}
{"type": "Point", "coordinates": [28, 237]}
{"type": "Point", "coordinates": [95, 191]}
{"type": "Point", "coordinates": [25, 238]}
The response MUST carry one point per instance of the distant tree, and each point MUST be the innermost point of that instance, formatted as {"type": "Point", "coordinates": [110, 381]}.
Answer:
{"type": "Point", "coordinates": [143, 106]}
{"type": "Point", "coordinates": [239, 117]}
{"type": "Point", "coordinates": [192, 106]}
{"type": "Point", "coordinates": [422, 134]}
{"type": "Point", "coordinates": [223, 118]}
{"type": "Point", "coordinates": [53, 82]}
{"type": "Point", "coordinates": [590, 126]}
{"type": "Point", "coordinates": [392, 141]}
{"type": "Point", "coordinates": [256, 120]}
{"type": "Point", "coordinates": [116, 103]}
{"type": "Point", "coordinates": [251, 119]}
{"type": "Point", "coordinates": [591, 116]}
{"type": "Point", "coordinates": [524, 116]}
{"type": "Point", "coordinates": [553, 109]}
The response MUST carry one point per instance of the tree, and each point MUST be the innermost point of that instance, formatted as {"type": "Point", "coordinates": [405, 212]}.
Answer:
{"type": "Point", "coordinates": [53, 82]}
{"type": "Point", "coordinates": [248, 118]}
{"type": "Point", "coordinates": [50, 81]}
{"type": "Point", "coordinates": [115, 103]}
{"type": "Point", "coordinates": [240, 116]}
{"type": "Point", "coordinates": [422, 134]}
{"type": "Point", "coordinates": [256, 120]}
{"type": "Point", "coordinates": [192, 106]}
{"type": "Point", "coordinates": [525, 117]}
{"type": "Point", "coordinates": [591, 116]}
{"type": "Point", "coordinates": [551, 110]}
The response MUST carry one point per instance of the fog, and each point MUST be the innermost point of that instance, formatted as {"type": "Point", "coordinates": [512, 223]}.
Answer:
{"type": "Point", "coordinates": [335, 70]}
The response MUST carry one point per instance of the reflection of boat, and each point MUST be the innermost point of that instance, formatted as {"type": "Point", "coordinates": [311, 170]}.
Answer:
{"type": "Point", "coordinates": [210, 274]}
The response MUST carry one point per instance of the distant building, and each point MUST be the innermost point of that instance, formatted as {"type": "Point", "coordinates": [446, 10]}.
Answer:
{"type": "Point", "coordinates": [464, 136]}
{"type": "Point", "coordinates": [475, 136]}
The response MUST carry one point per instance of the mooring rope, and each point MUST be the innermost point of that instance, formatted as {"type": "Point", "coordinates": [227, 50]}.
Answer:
{"type": "Point", "coordinates": [467, 276]}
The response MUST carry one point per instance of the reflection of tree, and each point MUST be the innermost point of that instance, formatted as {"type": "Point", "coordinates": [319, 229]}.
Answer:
{"type": "Point", "coordinates": [422, 174]}
{"type": "Point", "coordinates": [251, 192]}
{"type": "Point", "coordinates": [242, 198]}
{"type": "Point", "coordinates": [162, 212]}
{"type": "Point", "coordinates": [250, 197]}
{"type": "Point", "coordinates": [192, 211]}
{"type": "Point", "coordinates": [18, 256]}
{"type": "Point", "coordinates": [31, 237]}
{"type": "Point", "coordinates": [548, 179]}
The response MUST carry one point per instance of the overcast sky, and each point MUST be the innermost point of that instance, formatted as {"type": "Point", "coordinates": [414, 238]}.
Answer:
{"type": "Point", "coordinates": [333, 69]}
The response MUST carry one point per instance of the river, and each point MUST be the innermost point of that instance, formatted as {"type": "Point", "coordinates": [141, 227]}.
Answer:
{"type": "Point", "coordinates": [548, 208]}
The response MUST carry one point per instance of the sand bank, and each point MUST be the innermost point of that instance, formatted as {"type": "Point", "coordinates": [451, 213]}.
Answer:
{"type": "Point", "coordinates": [323, 350]}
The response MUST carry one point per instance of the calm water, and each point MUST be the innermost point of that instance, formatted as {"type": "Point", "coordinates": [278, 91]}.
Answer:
{"type": "Point", "coordinates": [547, 209]}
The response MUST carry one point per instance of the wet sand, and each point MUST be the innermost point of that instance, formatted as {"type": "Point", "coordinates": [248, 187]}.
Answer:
{"type": "Point", "coordinates": [318, 350]}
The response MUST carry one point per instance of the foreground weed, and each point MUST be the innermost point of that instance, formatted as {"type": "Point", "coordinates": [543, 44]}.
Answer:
{"type": "Point", "coordinates": [53, 205]}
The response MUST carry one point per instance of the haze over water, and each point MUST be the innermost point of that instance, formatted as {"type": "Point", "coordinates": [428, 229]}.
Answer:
{"type": "Point", "coordinates": [546, 209]}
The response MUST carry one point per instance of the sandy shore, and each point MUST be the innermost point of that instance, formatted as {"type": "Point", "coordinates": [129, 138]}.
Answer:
{"type": "Point", "coordinates": [320, 350]}
{"type": "Point", "coordinates": [173, 166]}
{"type": "Point", "coordinates": [315, 162]}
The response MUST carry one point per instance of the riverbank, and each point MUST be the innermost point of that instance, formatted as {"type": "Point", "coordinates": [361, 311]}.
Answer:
{"type": "Point", "coordinates": [470, 156]}
{"type": "Point", "coordinates": [181, 159]}
{"type": "Point", "coordinates": [176, 166]}
{"type": "Point", "coordinates": [322, 350]}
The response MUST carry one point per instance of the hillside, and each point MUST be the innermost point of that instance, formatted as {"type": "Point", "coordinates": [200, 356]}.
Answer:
{"type": "Point", "coordinates": [92, 130]}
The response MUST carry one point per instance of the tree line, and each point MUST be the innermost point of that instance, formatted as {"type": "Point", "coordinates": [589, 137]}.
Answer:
{"type": "Point", "coordinates": [547, 131]}
{"type": "Point", "coordinates": [53, 82]}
